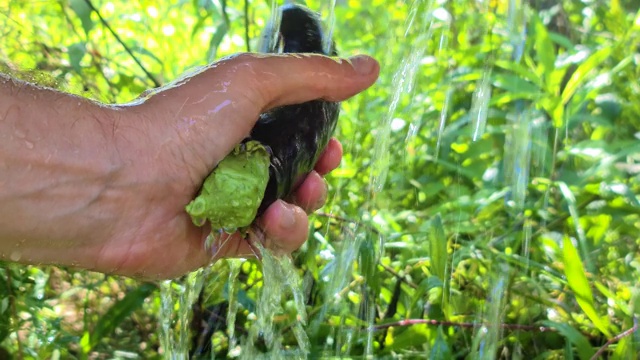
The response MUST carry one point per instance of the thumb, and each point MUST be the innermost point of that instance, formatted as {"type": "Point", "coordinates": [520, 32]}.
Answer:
{"type": "Point", "coordinates": [254, 83]}
{"type": "Point", "coordinates": [222, 102]}
{"type": "Point", "coordinates": [276, 80]}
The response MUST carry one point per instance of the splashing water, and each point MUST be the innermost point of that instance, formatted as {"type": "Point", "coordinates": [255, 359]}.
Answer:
{"type": "Point", "coordinates": [269, 37]}
{"type": "Point", "coordinates": [279, 274]}
{"type": "Point", "coordinates": [403, 84]}
{"type": "Point", "coordinates": [177, 298]}
{"type": "Point", "coordinates": [443, 120]}
{"type": "Point", "coordinates": [487, 337]}
{"type": "Point", "coordinates": [234, 267]}
{"type": "Point", "coordinates": [517, 153]}
{"type": "Point", "coordinates": [480, 104]}
{"type": "Point", "coordinates": [442, 46]}
{"type": "Point", "coordinates": [330, 23]}
{"type": "Point", "coordinates": [517, 28]}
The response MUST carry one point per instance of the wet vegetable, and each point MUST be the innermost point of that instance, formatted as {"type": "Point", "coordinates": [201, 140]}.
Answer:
{"type": "Point", "coordinates": [293, 135]}
{"type": "Point", "coordinates": [245, 171]}
{"type": "Point", "coordinates": [296, 134]}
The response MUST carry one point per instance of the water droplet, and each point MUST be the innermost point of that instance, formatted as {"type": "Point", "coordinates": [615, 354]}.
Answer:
{"type": "Point", "coordinates": [15, 256]}
{"type": "Point", "coordinates": [480, 105]}
{"type": "Point", "coordinates": [19, 133]}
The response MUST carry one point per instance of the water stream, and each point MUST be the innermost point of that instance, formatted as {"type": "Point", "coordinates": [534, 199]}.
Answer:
{"type": "Point", "coordinates": [421, 21]}
{"type": "Point", "coordinates": [177, 298]}
{"type": "Point", "coordinates": [281, 293]}
{"type": "Point", "coordinates": [280, 282]}
{"type": "Point", "coordinates": [422, 124]}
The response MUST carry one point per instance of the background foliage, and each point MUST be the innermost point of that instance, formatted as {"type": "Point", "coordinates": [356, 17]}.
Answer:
{"type": "Point", "coordinates": [487, 205]}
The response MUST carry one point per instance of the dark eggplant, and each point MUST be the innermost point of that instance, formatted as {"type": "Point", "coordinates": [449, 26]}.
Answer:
{"type": "Point", "coordinates": [295, 134]}
{"type": "Point", "coordinates": [283, 146]}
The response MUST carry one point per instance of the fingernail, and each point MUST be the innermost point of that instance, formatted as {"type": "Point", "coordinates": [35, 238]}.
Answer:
{"type": "Point", "coordinates": [362, 64]}
{"type": "Point", "coordinates": [287, 217]}
{"type": "Point", "coordinates": [323, 199]}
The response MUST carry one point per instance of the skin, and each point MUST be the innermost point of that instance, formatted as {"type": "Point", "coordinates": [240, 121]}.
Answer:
{"type": "Point", "coordinates": [103, 188]}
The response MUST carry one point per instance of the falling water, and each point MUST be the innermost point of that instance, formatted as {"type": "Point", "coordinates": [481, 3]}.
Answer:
{"type": "Point", "coordinates": [489, 332]}
{"type": "Point", "coordinates": [442, 47]}
{"type": "Point", "coordinates": [279, 275]}
{"type": "Point", "coordinates": [342, 339]}
{"type": "Point", "coordinates": [517, 29]}
{"type": "Point", "coordinates": [177, 297]}
{"type": "Point", "coordinates": [330, 22]}
{"type": "Point", "coordinates": [269, 38]}
{"type": "Point", "coordinates": [403, 81]}
{"type": "Point", "coordinates": [525, 156]}
{"type": "Point", "coordinates": [480, 104]}
{"type": "Point", "coordinates": [424, 17]}
{"type": "Point", "coordinates": [234, 271]}
{"type": "Point", "coordinates": [517, 153]}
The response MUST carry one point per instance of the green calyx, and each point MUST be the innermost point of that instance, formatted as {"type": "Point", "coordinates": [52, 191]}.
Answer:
{"type": "Point", "coordinates": [232, 193]}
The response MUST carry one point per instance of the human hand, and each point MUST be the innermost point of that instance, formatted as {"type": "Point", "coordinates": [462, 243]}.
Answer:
{"type": "Point", "coordinates": [150, 158]}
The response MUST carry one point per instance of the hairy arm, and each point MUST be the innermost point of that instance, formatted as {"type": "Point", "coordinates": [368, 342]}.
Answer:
{"type": "Point", "coordinates": [105, 187]}
{"type": "Point", "coordinates": [58, 162]}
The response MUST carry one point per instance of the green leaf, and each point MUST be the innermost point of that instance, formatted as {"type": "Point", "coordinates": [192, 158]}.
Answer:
{"type": "Point", "coordinates": [514, 83]}
{"type": "Point", "coordinates": [76, 52]}
{"type": "Point", "coordinates": [412, 336]}
{"type": "Point", "coordinates": [368, 259]}
{"type": "Point", "coordinates": [544, 49]}
{"type": "Point", "coordinates": [568, 196]}
{"type": "Point", "coordinates": [580, 342]}
{"type": "Point", "coordinates": [5, 314]}
{"type": "Point", "coordinates": [438, 248]}
{"type": "Point", "coordinates": [523, 73]}
{"type": "Point", "coordinates": [577, 279]}
{"type": "Point", "coordinates": [440, 349]}
{"type": "Point", "coordinates": [83, 11]}
{"type": "Point", "coordinates": [216, 39]}
{"type": "Point", "coordinates": [581, 74]}
{"type": "Point", "coordinates": [118, 312]}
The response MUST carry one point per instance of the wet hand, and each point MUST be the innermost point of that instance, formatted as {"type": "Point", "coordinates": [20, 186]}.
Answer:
{"type": "Point", "coordinates": [172, 140]}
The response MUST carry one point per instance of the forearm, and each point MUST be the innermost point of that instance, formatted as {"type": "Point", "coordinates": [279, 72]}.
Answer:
{"type": "Point", "coordinates": [57, 158]}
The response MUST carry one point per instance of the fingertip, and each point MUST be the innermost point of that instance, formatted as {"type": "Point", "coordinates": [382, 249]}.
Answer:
{"type": "Point", "coordinates": [365, 65]}
{"type": "Point", "coordinates": [284, 79]}
{"type": "Point", "coordinates": [285, 225]}
{"type": "Point", "coordinates": [330, 158]}
{"type": "Point", "coordinates": [312, 193]}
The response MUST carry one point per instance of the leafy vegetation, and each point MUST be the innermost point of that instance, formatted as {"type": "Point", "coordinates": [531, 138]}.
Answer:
{"type": "Point", "coordinates": [487, 205]}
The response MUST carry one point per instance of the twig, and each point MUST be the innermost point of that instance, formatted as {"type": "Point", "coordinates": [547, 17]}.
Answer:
{"type": "Point", "coordinates": [615, 339]}
{"type": "Point", "coordinates": [409, 322]}
{"type": "Point", "coordinates": [347, 220]}
{"type": "Point", "coordinates": [126, 48]}
{"type": "Point", "coordinates": [398, 276]}
{"type": "Point", "coordinates": [94, 55]}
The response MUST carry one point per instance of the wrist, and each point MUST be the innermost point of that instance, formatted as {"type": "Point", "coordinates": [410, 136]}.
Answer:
{"type": "Point", "coordinates": [58, 159]}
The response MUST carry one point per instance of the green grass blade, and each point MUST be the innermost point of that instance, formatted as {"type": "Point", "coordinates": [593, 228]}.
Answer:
{"type": "Point", "coordinates": [568, 196]}
{"type": "Point", "coordinates": [544, 49]}
{"type": "Point", "coordinates": [119, 311]}
{"type": "Point", "coordinates": [440, 349]}
{"type": "Point", "coordinates": [581, 343]}
{"type": "Point", "coordinates": [579, 283]}
{"type": "Point", "coordinates": [580, 76]}
{"type": "Point", "coordinates": [438, 248]}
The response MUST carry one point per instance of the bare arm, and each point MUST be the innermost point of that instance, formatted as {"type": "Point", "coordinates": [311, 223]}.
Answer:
{"type": "Point", "coordinates": [104, 187]}
{"type": "Point", "coordinates": [57, 158]}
